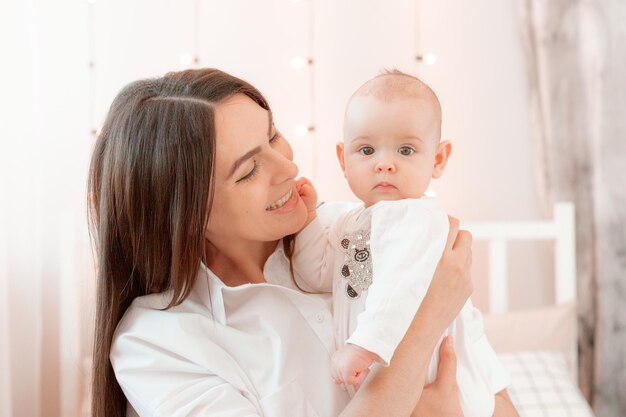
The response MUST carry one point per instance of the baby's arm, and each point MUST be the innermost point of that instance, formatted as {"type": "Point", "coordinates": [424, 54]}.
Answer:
{"type": "Point", "coordinates": [407, 240]}
{"type": "Point", "coordinates": [311, 247]}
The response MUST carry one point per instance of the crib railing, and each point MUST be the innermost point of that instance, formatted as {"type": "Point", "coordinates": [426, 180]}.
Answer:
{"type": "Point", "coordinates": [560, 229]}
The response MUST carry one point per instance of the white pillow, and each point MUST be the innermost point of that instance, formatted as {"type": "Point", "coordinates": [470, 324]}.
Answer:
{"type": "Point", "coordinates": [542, 387]}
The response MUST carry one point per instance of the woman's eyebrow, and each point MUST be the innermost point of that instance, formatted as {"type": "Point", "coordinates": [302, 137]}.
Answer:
{"type": "Point", "coordinates": [243, 159]}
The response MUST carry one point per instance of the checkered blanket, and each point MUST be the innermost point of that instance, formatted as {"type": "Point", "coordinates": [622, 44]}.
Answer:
{"type": "Point", "coordinates": [542, 386]}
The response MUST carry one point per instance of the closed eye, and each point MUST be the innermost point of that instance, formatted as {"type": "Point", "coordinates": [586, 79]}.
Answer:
{"type": "Point", "coordinates": [250, 174]}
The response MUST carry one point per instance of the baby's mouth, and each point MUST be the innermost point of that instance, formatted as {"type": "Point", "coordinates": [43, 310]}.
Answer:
{"type": "Point", "coordinates": [384, 185]}
{"type": "Point", "coordinates": [280, 202]}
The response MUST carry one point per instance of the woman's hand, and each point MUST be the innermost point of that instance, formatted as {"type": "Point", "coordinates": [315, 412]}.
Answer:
{"type": "Point", "coordinates": [441, 398]}
{"type": "Point", "coordinates": [452, 284]}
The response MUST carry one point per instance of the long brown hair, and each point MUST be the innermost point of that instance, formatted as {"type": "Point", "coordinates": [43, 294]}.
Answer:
{"type": "Point", "coordinates": [150, 191]}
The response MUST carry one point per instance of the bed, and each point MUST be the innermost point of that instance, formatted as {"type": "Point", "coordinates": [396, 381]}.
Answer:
{"type": "Point", "coordinates": [538, 346]}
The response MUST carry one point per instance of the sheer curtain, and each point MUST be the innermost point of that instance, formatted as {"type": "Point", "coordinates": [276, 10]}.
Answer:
{"type": "Point", "coordinates": [45, 267]}
{"type": "Point", "coordinates": [576, 65]}
{"type": "Point", "coordinates": [5, 363]}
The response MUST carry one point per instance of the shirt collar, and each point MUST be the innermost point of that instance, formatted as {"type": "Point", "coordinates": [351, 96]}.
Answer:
{"type": "Point", "coordinates": [211, 290]}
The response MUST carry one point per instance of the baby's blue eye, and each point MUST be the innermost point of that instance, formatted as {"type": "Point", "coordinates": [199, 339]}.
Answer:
{"type": "Point", "coordinates": [366, 150]}
{"type": "Point", "coordinates": [406, 151]}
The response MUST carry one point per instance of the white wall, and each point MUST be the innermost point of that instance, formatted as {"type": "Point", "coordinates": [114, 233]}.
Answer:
{"type": "Point", "coordinates": [49, 93]}
{"type": "Point", "coordinates": [480, 78]}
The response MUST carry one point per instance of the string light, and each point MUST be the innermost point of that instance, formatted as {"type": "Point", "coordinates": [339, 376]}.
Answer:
{"type": "Point", "coordinates": [92, 68]}
{"type": "Point", "coordinates": [195, 60]}
{"type": "Point", "coordinates": [312, 88]}
{"type": "Point", "coordinates": [189, 60]}
{"type": "Point", "coordinates": [421, 57]}
{"type": "Point", "coordinates": [299, 63]}
{"type": "Point", "coordinates": [416, 34]}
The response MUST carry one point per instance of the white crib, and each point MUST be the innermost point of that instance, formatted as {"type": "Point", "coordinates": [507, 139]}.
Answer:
{"type": "Point", "coordinates": [543, 371]}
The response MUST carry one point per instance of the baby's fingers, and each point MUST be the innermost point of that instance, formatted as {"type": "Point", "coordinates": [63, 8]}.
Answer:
{"type": "Point", "coordinates": [352, 377]}
{"type": "Point", "coordinates": [306, 190]}
{"type": "Point", "coordinates": [302, 181]}
{"type": "Point", "coordinates": [361, 378]}
{"type": "Point", "coordinates": [335, 376]}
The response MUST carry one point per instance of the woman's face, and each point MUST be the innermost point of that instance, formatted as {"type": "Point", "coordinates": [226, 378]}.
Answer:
{"type": "Point", "coordinates": [255, 198]}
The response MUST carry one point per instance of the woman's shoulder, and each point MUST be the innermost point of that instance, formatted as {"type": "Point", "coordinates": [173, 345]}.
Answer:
{"type": "Point", "coordinates": [150, 312]}
{"type": "Point", "coordinates": [148, 324]}
{"type": "Point", "coordinates": [166, 358]}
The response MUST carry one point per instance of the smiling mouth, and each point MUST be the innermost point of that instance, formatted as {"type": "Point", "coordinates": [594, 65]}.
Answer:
{"type": "Point", "coordinates": [280, 202]}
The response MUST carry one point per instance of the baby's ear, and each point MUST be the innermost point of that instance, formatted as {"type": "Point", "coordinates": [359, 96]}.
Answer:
{"type": "Point", "coordinates": [340, 156]}
{"type": "Point", "coordinates": [444, 149]}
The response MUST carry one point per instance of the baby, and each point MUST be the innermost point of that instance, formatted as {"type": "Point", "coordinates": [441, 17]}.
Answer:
{"type": "Point", "coordinates": [380, 257]}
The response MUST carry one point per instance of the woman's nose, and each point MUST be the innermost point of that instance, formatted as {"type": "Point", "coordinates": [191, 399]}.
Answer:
{"type": "Point", "coordinates": [284, 168]}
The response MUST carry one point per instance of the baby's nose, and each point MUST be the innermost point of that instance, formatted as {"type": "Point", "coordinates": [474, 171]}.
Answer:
{"type": "Point", "coordinates": [385, 166]}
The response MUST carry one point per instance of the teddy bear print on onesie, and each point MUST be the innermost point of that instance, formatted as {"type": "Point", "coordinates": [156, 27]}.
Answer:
{"type": "Point", "coordinates": [357, 265]}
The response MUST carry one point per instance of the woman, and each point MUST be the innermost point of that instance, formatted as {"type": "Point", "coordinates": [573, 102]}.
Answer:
{"type": "Point", "coordinates": [194, 208]}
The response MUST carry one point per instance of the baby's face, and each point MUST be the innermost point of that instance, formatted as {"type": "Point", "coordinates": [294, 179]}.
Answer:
{"type": "Point", "coordinates": [389, 150]}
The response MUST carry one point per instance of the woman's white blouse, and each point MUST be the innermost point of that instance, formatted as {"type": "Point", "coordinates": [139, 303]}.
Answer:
{"type": "Point", "coordinates": [251, 350]}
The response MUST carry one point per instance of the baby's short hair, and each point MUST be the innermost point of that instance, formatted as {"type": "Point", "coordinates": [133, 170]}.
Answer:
{"type": "Point", "coordinates": [393, 84]}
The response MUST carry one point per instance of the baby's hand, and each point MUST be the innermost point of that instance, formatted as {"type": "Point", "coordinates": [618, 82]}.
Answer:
{"type": "Point", "coordinates": [350, 364]}
{"type": "Point", "coordinates": [309, 196]}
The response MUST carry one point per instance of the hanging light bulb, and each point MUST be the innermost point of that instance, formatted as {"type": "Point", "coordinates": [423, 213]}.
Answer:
{"type": "Point", "coordinates": [186, 59]}
{"type": "Point", "coordinates": [96, 131]}
{"type": "Point", "coordinates": [427, 58]}
{"type": "Point", "coordinates": [430, 59]}
{"type": "Point", "coordinates": [300, 62]}
{"type": "Point", "coordinates": [302, 129]}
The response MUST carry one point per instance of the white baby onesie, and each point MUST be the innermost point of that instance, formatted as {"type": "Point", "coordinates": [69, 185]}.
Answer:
{"type": "Point", "coordinates": [379, 262]}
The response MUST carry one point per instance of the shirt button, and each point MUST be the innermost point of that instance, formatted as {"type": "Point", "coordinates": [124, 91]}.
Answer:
{"type": "Point", "coordinates": [319, 317]}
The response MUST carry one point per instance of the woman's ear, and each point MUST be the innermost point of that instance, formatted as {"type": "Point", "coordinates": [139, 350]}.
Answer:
{"type": "Point", "coordinates": [444, 149]}
{"type": "Point", "coordinates": [340, 157]}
